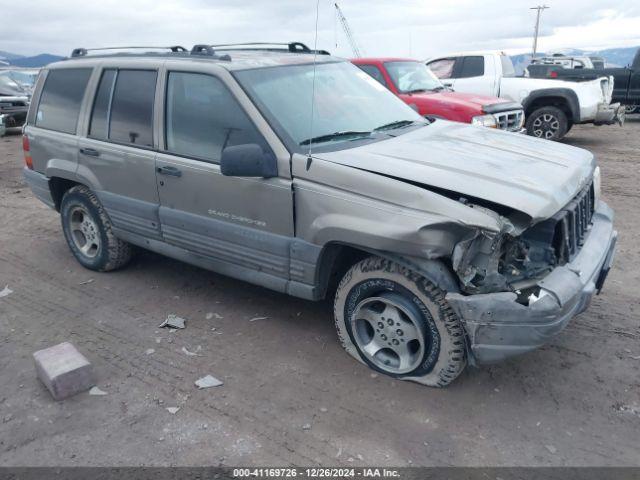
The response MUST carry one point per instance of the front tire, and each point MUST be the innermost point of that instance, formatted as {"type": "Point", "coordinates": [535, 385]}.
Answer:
{"type": "Point", "coordinates": [399, 323]}
{"type": "Point", "coordinates": [549, 123]}
{"type": "Point", "coordinates": [87, 229]}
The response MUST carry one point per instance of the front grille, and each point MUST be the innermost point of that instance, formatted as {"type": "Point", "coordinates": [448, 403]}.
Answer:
{"type": "Point", "coordinates": [511, 120]}
{"type": "Point", "coordinates": [573, 223]}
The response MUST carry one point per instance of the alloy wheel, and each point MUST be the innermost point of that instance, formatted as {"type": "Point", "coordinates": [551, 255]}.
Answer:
{"type": "Point", "coordinates": [84, 231]}
{"type": "Point", "coordinates": [386, 329]}
{"type": "Point", "coordinates": [546, 126]}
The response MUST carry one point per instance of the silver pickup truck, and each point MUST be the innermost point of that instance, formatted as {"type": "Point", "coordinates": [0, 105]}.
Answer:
{"type": "Point", "coordinates": [440, 243]}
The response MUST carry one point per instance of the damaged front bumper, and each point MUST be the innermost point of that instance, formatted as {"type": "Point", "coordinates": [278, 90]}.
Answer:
{"type": "Point", "coordinates": [608, 114]}
{"type": "Point", "coordinates": [498, 327]}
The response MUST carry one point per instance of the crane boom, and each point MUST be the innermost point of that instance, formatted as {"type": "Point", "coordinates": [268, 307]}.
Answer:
{"type": "Point", "coordinates": [347, 32]}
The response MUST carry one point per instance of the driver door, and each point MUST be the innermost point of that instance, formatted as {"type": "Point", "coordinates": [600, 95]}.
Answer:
{"type": "Point", "coordinates": [238, 226]}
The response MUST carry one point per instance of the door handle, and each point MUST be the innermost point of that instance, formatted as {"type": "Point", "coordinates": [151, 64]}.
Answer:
{"type": "Point", "coordinates": [168, 170]}
{"type": "Point", "coordinates": [90, 152]}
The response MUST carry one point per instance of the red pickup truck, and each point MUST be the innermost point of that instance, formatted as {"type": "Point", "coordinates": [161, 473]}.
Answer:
{"type": "Point", "coordinates": [417, 86]}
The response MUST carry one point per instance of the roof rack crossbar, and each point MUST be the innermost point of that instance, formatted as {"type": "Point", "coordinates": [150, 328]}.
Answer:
{"type": "Point", "coordinates": [293, 47]}
{"type": "Point", "coordinates": [81, 52]}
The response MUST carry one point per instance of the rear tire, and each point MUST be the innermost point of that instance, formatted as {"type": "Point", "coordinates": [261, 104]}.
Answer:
{"type": "Point", "coordinates": [399, 323]}
{"type": "Point", "coordinates": [549, 123]}
{"type": "Point", "coordinates": [87, 229]}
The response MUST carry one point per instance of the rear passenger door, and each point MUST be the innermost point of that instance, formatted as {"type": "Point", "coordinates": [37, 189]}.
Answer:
{"type": "Point", "coordinates": [241, 226]}
{"type": "Point", "coordinates": [117, 155]}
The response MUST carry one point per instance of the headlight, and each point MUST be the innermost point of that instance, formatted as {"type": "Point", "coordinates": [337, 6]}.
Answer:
{"type": "Point", "coordinates": [597, 184]}
{"type": "Point", "coordinates": [484, 121]}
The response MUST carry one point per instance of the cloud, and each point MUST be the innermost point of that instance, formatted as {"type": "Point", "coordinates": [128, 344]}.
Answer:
{"type": "Point", "coordinates": [403, 27]}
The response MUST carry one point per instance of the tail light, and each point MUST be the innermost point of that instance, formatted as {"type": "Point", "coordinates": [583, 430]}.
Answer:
{"type": "Point", "coordinates": [27, 152]}
{"type": "Point", "coordinates": [554, 74]}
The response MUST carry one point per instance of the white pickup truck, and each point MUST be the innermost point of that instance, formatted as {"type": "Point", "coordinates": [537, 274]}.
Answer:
{"type": "Point", "coordinates": [551, 106]}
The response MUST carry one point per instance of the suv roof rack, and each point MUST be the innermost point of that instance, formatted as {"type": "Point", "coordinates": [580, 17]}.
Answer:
{"type": "Point", "coordinates": [291, 47]}
{"type": "Point", "coordinates": [82, 52]}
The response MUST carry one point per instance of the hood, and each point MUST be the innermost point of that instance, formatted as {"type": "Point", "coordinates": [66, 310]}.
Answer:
{"type": "Point", "coordinates": [534, 176]}
{"type": "Point", "coordinates": [464, 100]}
{"type": "Point", "coordinates": [10, 87]}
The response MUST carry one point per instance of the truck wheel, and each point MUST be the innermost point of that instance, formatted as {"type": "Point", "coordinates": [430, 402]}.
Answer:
{"type": "Point", "coordinates": [87, 229]}
{"type": "Point", "coordinates": [398, 323]}
{"type": "Point", "coordinates": [547, 122]}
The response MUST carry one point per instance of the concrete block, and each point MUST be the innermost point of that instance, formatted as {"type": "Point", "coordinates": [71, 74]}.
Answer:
{"type": "Point", "coordinates": [64, 370]}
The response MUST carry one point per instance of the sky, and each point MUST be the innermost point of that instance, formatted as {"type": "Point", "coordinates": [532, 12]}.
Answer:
{"type": "Point", "coordinates": [415, 28]}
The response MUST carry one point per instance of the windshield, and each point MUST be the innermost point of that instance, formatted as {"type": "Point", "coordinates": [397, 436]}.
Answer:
{"type": "Point", "coordinates": [412, 77]}
{"type": "Point", "coordinates": [349, 105]}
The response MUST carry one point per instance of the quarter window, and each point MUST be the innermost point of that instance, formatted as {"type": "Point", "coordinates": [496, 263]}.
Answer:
{"type": "Point", "coordinates": [59, 106]}
{"type": "Point", "coordinates": [202, 117]}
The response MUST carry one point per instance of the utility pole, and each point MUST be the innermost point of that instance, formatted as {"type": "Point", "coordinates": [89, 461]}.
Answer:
{"type": "Point", "coordinates": [539, 8]}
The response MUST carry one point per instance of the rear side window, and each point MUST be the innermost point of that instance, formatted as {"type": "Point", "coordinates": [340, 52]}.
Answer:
{"type": "Point", "coordinates": [61, 98]}
{"type": "Point", "coordinates": [442, 68]}
{"type": "Point", "coordinates": [373, 71]}
{"type": "Point", "coordinates": [471, 67]}
{"type": "Point", "coordinates": [202, 117]}
{"type": "Point", "coordinates": [123, 107]}
{"type": "Point", "coordinates": [99, 127]}
{"type": "Point", "coordinates": [507, 66]}
{"type": "Point", "coordinates": [132, 107]}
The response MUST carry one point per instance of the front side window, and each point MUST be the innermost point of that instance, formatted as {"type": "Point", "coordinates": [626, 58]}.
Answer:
{"type": "Point", "coordinates": [61, 99]}
{"type": "Point", "coordinates": [410, 77]}
{"type": "Point", "coordinates": [202, 117]}
{"type": "Point", "coordinates": [123, 107]}
{"type": "Point", "coordinates": [374, 72]}
{"type": "Point", "coordinates": [471, 67]}
{"type": "Point", "coordinates": [442, 68]}
{"type": "Point", "coordinates": [349, 107]}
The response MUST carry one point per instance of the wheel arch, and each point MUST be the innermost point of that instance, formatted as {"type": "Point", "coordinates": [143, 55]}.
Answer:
{"type": "Point", "coordinates": [59, 186]}
{"type": "Point", "coordinates": [336, 258]}
{"type": "Point", "coordinates": [563, 98]}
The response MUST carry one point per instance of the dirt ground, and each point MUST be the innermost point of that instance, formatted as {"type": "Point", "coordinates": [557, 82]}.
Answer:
{"type": "Point", "coordinates": [291, 394]}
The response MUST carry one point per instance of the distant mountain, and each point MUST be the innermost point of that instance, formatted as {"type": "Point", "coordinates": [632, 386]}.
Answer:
{"type": "Point", "coordinates": [613, 56]}
{"type": "Point", "coordinates": [35, 61]}
{"type": "Point", "coordinates": [7, 56]}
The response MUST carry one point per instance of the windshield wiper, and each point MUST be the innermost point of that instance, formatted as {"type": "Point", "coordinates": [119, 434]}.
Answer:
{"type": "Point", "coordinates": [438, 88]}
{"type": "Point", "coordinates": [416, 90]}
{"type": "Point", "coordinates": [334, 136]}
{"type": "Point", "coordinates": [396, 124]}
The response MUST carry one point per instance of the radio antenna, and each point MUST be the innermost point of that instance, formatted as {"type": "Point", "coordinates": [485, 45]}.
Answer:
{"type": "Point", "coordinates": [313, 84]}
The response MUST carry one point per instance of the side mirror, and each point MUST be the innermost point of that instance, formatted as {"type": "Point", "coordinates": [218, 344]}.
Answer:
{"type": "Point", "coordinates": [248, 161]}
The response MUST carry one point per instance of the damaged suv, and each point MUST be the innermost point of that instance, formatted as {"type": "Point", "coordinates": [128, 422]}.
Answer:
{"type": "Point", "coordinates": [440, 244]}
